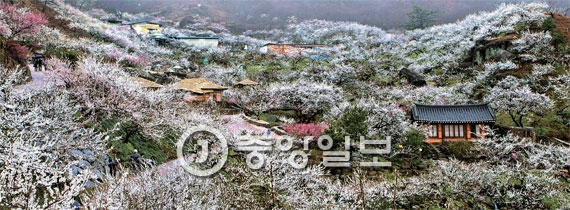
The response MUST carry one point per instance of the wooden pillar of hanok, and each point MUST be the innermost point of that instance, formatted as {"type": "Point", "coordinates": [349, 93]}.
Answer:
{"type": "Point", "coordinates": [468, 131]}
{"type": "Point", "coordinates": [440, 131]}
{"type": "Point", "coordinates": [482, 129]}
{"type": "Point", "coordinates": [218, 94]}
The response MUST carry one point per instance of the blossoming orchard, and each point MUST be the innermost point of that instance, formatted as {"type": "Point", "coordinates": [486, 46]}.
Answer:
{"type": "Point", "coordinates": [187, 105]}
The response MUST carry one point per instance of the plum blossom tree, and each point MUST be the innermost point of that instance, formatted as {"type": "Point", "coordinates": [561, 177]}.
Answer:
{"type": "Point", "coordinates": [38, 128]}
{"type": "Point", "coordinates": [16, 23]}
{"type": "Point", "coordinates": [83, 5]}
{"type": "Point", "coordinates": [496, 67]}
{"type": "Point", "coordinates": [447, 44]}
{"type": "Point", "coordinates": [517, 100]}
{"type": "Point", "coordinates": [78, 19]}
{"type": "Point", "coordinates": [223, 76]}
{"type": "Point", "coordinates": [17, 51]}
{"type": "Point", "coordinates": [38, 132]}
{"type": "Point", "coordinates": [381, 119]}
{"type": "Point", "coordinates": [96, 86]}
{"type": "Point", "coordinates": [387, 120]}
{"type": "Point", "coordinates": [495, 182]}
{"type": "Point", "coordinates": [279, 184]}
{"type": "Point", "coordinates": [308, 99]}
{"type": "Point", "coordinates": [538, 155]}
{"type": "Point", "coordinates": [306, 129]}
{"type": "Point", "coordinates": [539, 70]}
{"type": "Point", "coordinates": [104, 89]}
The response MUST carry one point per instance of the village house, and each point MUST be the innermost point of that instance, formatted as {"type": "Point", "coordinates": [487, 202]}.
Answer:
{"type": "Point", "coordinates": [238, 47]}
{"type": "Point", "coordinates": [245, 82]}
{"type": "Point", "coordinates": [201, 89]}
{"type": "Point", "coordinates": [453, 122]}
{"type": "Point", "coordinates": [112, 21]}
{"type": "Point", "coordinates": [287, 49]}
{"type": "Point", "coordinates": [145, 28]}
{"type": "Point", "coordinates": [200, 41]}
{"type": "Point", "coordinates": [145, 83]}
{"type": "Point", "coordinates": [158, 39]}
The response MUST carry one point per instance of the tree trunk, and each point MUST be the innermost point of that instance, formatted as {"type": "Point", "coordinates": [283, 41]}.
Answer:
{"type": "Point", "coordinates": [520, 121]}
{"type": "Point", "coordinates": [514, 119]}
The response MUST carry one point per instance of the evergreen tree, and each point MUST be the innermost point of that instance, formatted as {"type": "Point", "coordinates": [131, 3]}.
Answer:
{"type": "Point", "coordinates": [352, 123]}
{"type": "Point", "coordinates": [421, 18]}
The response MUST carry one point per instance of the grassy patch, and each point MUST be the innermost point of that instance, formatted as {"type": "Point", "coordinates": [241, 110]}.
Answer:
{"type": "Point", "coordinates": [129, 137]}
{"type": "Point", "coordinates": [557, 201]}
{"type": "Point", "coordinates": [63, 54]}
{"type": "Point", "coordinates": [284, 113]}
{"type": "Point", "coordinates": [551, 125]}
{"type": "Point", "coordinates": [461, 149]}
{"type": "Point", "coordinates": [251, 70]}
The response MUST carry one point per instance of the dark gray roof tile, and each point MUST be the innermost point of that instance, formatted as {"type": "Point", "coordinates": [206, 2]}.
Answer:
{"type": "Point", "coordinates": [472, 113]}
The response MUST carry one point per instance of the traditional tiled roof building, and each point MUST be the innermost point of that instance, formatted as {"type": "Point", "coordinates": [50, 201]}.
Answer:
{"type": "Point", "coordinates": [201, 88]}
{"type": "Point", "coordinates": [453, 122]}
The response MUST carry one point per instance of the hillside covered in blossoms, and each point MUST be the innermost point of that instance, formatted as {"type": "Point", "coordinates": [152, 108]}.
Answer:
{"type": "Point", "coordinates": [94, 105]}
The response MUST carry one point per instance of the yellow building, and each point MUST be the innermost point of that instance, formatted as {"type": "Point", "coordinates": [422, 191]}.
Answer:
{"type": "Point", "coordinates": [142, 28]}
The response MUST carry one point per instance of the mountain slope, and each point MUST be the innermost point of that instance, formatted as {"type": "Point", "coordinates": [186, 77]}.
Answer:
{"type": "Point", "coordinates": [240, 16]}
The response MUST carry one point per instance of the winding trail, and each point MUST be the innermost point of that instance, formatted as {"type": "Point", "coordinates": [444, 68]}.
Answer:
{"type": "Point", "coordinates": [39, 80]}
{"type": "Point", "coordinates": [234, 123]}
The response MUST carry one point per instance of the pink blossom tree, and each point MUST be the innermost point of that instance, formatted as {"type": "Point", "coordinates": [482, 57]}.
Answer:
{"type": "Point", "coordinates": [16, 23]}
{"type": "Point", "coordinates": [306, 129]}
{"type": "Point", "coordinates": [97, 86]}
{"type": "Point", "coordinates": [17, 51]}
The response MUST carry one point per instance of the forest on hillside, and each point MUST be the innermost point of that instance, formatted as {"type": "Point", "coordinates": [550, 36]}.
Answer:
{"type": "Point", "coordinates": [239, 16]}
{"type": "Point", "coordinates": [84, 91]}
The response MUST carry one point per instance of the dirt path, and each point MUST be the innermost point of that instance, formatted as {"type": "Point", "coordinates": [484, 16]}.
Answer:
{"type": "Point", "coordinates": [39, 80]}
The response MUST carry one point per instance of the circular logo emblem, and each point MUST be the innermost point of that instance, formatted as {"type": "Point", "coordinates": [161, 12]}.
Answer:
{"type": "Point", "coordinates": [219, 150]}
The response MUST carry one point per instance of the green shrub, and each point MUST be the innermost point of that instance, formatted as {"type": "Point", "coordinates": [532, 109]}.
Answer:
{"type": "Point", "coordinates": [414, 138]}
{"type": "Point", "coordinates": [551, 125]}
{"type": "Point", "coordinates": [352, 123]}
{"type": "Point", "coordinates": [168, 145]}
{"type": "Point", "coordinates": [63, 53]}
{"type": "Point", "coordinates": [461, 149]}
{"type": "Point", "coordinates": [558, 39]}
{"type": "Point", "coordinates": [549, 24]}
{"type": "Point", "coordinates": [268, 118]}
{"type": "Point", "coordinates": [251, 70]}
{"type": "Point", "coordinates": [129, 137]}
{"type": "Point", "coordinates": [384, 80]}
{"type": "Point", "coordinates": [556, 201]}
